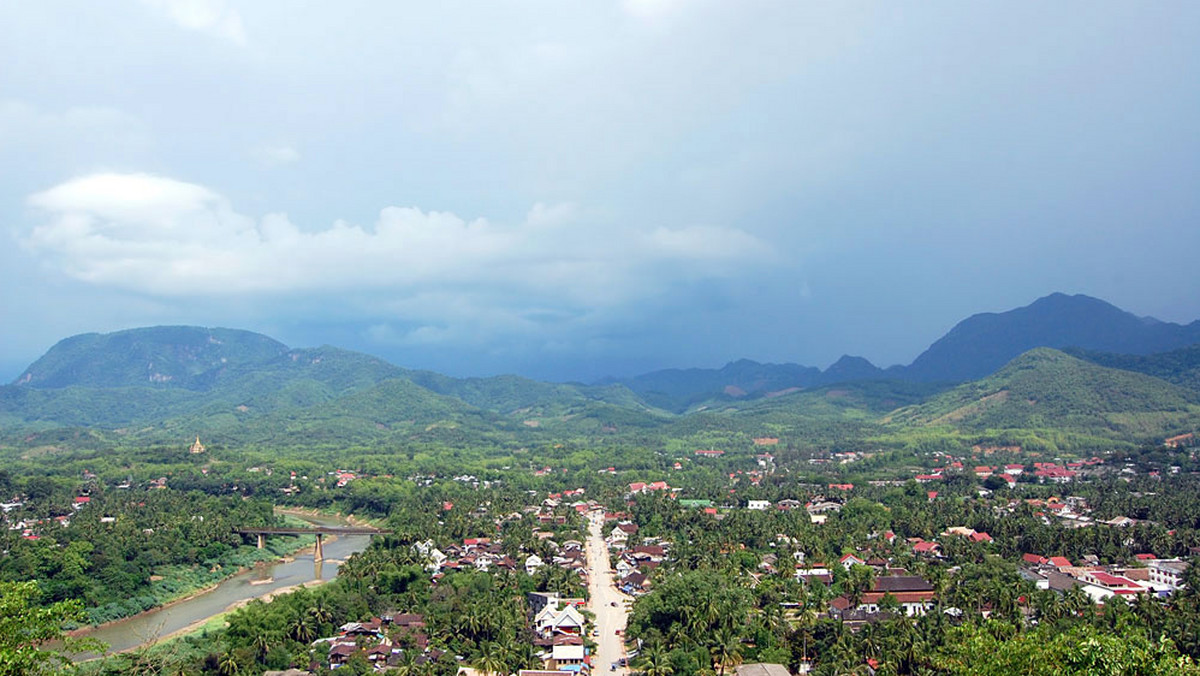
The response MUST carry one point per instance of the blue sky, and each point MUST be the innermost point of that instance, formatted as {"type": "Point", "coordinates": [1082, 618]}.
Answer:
{"type": "Point", "coordinates": [575, 189]}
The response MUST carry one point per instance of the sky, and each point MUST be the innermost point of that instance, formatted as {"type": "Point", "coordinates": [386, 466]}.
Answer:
{"type": "Point", "coordinates": [569, 189]}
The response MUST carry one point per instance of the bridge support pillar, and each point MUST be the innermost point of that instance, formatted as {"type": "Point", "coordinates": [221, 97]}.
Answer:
{"type": "Point", "coordinates": [318, 551]}
{"type": "Point", "coordinates": [262, 540]}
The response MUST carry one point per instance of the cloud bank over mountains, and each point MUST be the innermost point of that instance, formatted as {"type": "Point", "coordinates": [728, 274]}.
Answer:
{"type": "Point", "coordinates": [166, 238]}
{"type": "Point", "coordinates": [569, 190]}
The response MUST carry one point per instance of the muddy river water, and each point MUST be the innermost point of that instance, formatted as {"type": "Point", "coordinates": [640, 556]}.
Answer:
{"type": "Point", "coordinates": [155, 624]}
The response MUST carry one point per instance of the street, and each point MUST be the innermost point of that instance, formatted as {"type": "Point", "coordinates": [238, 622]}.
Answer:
{"type": "Point", "coordinates": [604, 594]}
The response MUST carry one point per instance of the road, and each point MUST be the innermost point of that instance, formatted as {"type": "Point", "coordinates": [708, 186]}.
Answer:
{"type": "Point", "coordinates": [603, 594]}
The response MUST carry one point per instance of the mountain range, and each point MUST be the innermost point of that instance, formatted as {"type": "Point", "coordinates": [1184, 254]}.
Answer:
{"type": "Point", "coordinates": [1126, 378]}
{"type": "Point", "coordinates": [976, 347]}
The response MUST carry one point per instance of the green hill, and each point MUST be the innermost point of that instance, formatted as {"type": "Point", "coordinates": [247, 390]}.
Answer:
{"type": "Point", "coordinates": [982, 343]}
{"type": "Point", "coordinates": [176, 357]}
{"type": "Point", "coordinates": [247, 387]}
{"type": "Point", "coordinates": [521, 397]}
{"type": "Point", "coordinates": [1181, 367]}
{"type": "Point", "coordinates": [1048, 389]}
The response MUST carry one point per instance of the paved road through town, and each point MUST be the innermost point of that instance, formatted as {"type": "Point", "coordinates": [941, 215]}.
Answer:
{"type": "Point", "coordinates": [607, 603]}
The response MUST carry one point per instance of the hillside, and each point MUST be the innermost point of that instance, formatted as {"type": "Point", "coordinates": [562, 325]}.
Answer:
{"type": "Point", "coordinates": [251, 387]}
{"type": "Point", "coordinates": [185, 357]}
{"type": "Point", "coordinates": [517, 396]}
{"type": "Point", "coordinates": [174, 382]}
{"type": "Point", "coordinates": [680, 389]}
{"type": "Point", "coordinates": [1181, 367]}
{"type": "Point", "coordinates": [982, 343]}
{"type": "Point", "coordinates": [1048, 389]}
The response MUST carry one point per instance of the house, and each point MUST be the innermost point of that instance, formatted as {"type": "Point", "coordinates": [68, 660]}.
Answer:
{"type": "Point", "coordinates": [758, 505]}
{"type": "Point", "coordinates": [565, 656]}
{"type": "Point", "coordinates": [823, 506]}
{"type": "Point", "coordinates": [926, 548]}
{"type": "Point", "coordinates": [817, 572]}
{"type": "Point", "coordinates": [554, 620]}
{"type": "Point", "coordinates": [533, 564]}
{"type": "Point", "coordinates": [622, 531]}
{"type": "Point", "coordinates": [634, 583]}
{"type": "Point", "coordinates": [538, 601]}
{"type": "Point", "coordinates": [913, 594]}
{"type": "Point", "coordinates": [848, 561]}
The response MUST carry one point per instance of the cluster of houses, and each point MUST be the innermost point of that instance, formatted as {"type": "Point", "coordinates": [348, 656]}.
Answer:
{"type": "Point", "coordinates": [381, 641]}
{"type": "Point", "coordinates": [1042, 472]}
{"type": "Point", "coordinates": [893, 590]}
{"type": "Point", "coordinates": [632, 563]}
{"type": "Point", "coordinates": [488, 554]}
{"type": "Point", "coordinates": [1153, 575]}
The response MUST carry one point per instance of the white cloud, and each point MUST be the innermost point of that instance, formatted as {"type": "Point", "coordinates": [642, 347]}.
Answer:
{"type": "Point", "coordinates": [274, 156]}
{"type": "Point", "coordinates": [207, 16]}
{"type": "Point", "coordinates": [168, 238]}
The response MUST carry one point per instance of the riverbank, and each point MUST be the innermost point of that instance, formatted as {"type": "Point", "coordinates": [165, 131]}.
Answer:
{"type": "Point", "coordinates": [201, 609]}
{"type": "Point", "coordinates": [218, 621]}
{"type": "Point", "coordinates": [229, 569]}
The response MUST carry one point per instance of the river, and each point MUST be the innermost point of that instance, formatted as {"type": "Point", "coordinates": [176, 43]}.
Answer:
{"type": "Point", "coordinates": [153, 625]}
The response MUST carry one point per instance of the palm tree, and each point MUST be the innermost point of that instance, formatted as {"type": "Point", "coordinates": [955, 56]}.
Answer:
{"type": "Point", "coordinates": [490, 660]}
{"type": "Point", "coordinates": [654, 661]}
{"type": "Point", "coordinates": [228, 665]}
{"type": "Point", "coordinates": [320, 611]}
{"type": "Point", "coordinates": [303, 627]}
{"type": "Point", "coordinates": [727, 648]}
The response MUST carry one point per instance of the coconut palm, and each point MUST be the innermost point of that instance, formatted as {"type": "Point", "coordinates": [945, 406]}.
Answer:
{"type": "Point", "coordinates": [490, 659]}
{"type": "Point", "coordinates": [727, 648]}
{"type": "Point", "coordinates": [654, 661]}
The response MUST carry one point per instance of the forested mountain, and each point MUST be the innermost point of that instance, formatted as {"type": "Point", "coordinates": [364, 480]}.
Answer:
{"type": "Point", "coordinates": [975, 348]}
{"type": "Point", "coordinates": [982, 343]}
{"type": "Point", "coordinates": [178, 381]}
{"type": "Point", "coordinates": [1048, 389]}
{"type": "Point", "coordinates": [185, 357]}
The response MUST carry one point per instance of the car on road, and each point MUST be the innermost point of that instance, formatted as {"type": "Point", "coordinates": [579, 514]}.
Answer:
{"type": "Point", "coordinates": [613, 604]}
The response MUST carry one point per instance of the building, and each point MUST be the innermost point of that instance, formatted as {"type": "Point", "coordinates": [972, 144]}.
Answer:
{"type": "Point", "coordinates": [1168, 572]}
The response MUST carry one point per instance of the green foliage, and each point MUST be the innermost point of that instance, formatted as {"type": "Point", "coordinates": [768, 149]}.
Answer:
{"type": "Point", "coordinates": [1181, 367]}
{"type": "Point", "coordinates": [27, 625]}
{"type": "Point", "coordinates": [991, 650]}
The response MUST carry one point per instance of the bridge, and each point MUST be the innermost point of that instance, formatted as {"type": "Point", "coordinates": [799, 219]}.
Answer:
{"type": "Point", "coordinates": [319, 531]}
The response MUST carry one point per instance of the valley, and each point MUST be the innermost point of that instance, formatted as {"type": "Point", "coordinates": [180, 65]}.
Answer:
{"type": "Point", "coordinates": [760, 515]}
